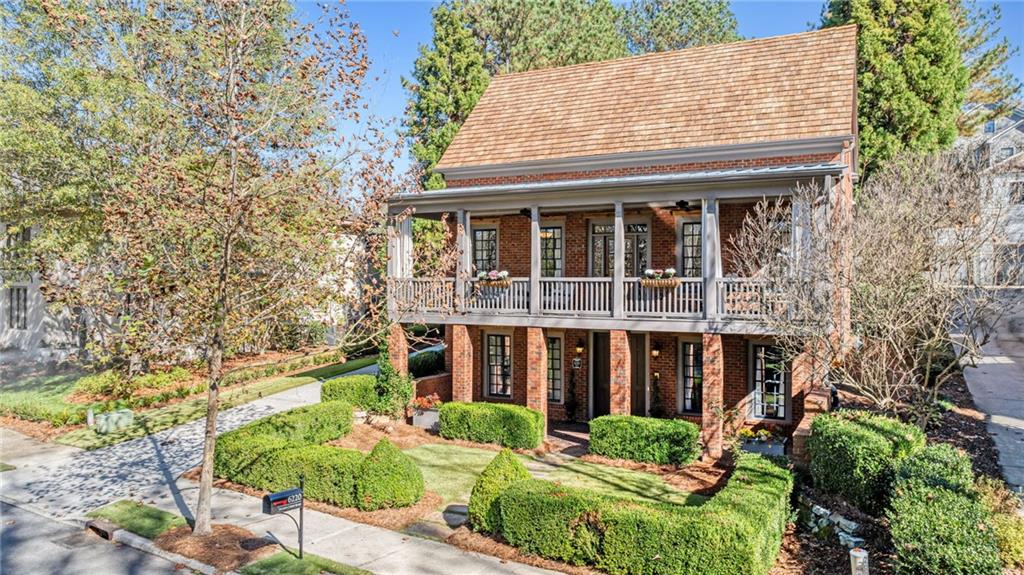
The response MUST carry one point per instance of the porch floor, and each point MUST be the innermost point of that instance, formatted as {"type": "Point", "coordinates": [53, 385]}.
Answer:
{"type": "Point", "coordinates": [567, 438]}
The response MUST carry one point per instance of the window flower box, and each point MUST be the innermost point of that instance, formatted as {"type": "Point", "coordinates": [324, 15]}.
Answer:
{"type": "Point", "coordinates": [660, 283]}
{"type": "Point", "coordinates": [494, 279]}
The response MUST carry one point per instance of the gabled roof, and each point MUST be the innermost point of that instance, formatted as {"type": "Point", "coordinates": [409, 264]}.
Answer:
{"type": "Point", "coordinates": [794, 87]}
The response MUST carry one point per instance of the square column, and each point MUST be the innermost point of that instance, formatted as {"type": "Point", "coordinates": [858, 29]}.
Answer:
{"type": "Point", "coordinates": [621, 371]}
{"type": "Point", "coordinates": [462, 363]}
{"type": "Point", "coordinates": [537, 371]}
{"type": "Point", "coordinates": [619, 269]}
{"type": "Point", "coordinates": [713, 383]}
{"type": "Point", "coordinates": [398, 349]}
{"type": "Point", "coordinates": [711, 256]}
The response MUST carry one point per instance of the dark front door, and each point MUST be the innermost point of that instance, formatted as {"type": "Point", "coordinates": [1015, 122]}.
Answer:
{"type": "Point", "coordinates": [600, 351]}
{"type": "Point", "coordinates": [638, 375]}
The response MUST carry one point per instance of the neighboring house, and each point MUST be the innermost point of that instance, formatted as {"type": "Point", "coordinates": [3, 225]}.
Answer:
{"type": "Point", "coordinates": [998, 145]}
{"type": "Point", "coordinates": [29, 334]}
{"type": "Point", "coordinates": [576, 180]}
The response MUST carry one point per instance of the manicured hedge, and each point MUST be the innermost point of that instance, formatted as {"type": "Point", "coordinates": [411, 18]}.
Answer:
{"type": "Point", "coordinates": [512, 426]}
{"type": "Point", "coordinates": [854, 454]}
{"type": "Point", "coordinates": [504, 470]}
{"type": "Point", "coordinates": [738, 532]}
{"type": "Point", "coordinates": [426, 363]}
{"type": "Point", "coordinates": [358, 390]}
{"type": "Point", "coordinates": [388, 478]}
{"type": "Point", "coordinates": [646, 439]}
{"type": "Point", "coordinates": [272, 452]}
{"type": "Point", "coordinates": [939, 465]}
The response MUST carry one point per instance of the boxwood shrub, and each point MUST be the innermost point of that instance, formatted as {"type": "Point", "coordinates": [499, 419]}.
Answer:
{"type": "Point", "coordinates": [426, 363]}
{"type": "Point", "coordinates": [854, 454]}
{"type": "Point", "coordinates": [646, 439]}
{"type": "Point", "coordinates": [512, 426]}
{"type": "Point", "coordinates": [358, 390]}
{"type": "Point", "coordinates": [738, 532]}
{"type": "Point", "coordinates": [504, 470]}
{"type": "Point", "coordinates": [938, 465]}
{"type": "Point", "coordinates": [387, 478]}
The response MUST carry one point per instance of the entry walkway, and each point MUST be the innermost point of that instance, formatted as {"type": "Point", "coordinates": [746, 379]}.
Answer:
{"type": "Point", "coordinates": [997, 385]}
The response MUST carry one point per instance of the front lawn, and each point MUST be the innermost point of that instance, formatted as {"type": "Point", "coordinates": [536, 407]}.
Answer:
{"type": "Point", "coordinates": [451, 470]}
{"type": "Point", "coordinates": [285, 563]}
{"type": "Point", "coordinates": [41, 398]}
{"type": "Point", "coordinates": [142, 520]}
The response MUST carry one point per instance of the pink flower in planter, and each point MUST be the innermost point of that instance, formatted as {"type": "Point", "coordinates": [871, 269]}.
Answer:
{"type": "Point", "coordinates": [492, 275]}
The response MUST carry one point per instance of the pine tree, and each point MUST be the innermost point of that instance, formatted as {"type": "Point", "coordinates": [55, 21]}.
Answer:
{"type": "Point", "coordinates": [993, 91]}
{"type": "Point", "coordinates": [660, 25]}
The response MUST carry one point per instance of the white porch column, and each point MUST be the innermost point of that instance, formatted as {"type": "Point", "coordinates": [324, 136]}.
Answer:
{"type": "Point", "coordinates": [405, 248]}
{"type": "Point", "coordinates": [712, 256]}
{"type": "Point", "coordinates": [535, 260]}
{"type": "Point", "coordinates": [461, 247]}
{"type": "Point", "coordinates": [619, 277]}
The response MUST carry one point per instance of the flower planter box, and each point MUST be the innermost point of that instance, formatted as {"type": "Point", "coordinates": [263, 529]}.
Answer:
{"type": "Point", "coordinates": [660, 283]}
{"type": "Point", "coordinates": [505, 283]}
{"type": "Point", "coordinates": [427, 419]}
{"type": "Point", "coordinates": [775, 447]}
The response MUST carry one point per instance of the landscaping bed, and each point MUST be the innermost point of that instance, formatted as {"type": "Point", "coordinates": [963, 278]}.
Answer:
{"type": "Point", "coordinates": [228, 548]}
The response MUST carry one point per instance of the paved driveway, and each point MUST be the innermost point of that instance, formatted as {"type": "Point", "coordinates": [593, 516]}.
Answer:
{"type": "Point", "coordinates": [997, 385]}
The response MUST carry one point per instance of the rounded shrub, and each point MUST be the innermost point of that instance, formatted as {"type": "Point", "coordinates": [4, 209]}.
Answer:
{"type": "Point", "coordinates": [1009, 532]}
{"type": "Point", "coordinates": [358, 390]}
{"type": "Point", "coordinates": [553, 521]}
{"type": "Point", "coordinates": [504, 470]}
{"type": "Point", "coordinates": [647, 439]}
{"type": "Point", "coordinates": [854, 454]}
{"type": "Point", "coordinates": [512, 426]}
{"type": "Point", "coordinates": [387, 478]}
{"type": "Point", "coordinates": [938, 465]}
{"type": "Point", "coordinates": [936, 530]}
{"type": "Point", "coordinates": [330, 472]}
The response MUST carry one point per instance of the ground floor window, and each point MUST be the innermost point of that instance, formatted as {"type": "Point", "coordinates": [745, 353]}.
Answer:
{"type": "Point", "coordinates": [768, 383]}
{"type": "Point", "coordinates": [691, 377]}
{"type": "Point", "coordinates": [17, 308]}
{"type": "Point", "coordinates": [498, 367]}
{"type": "Point", "coordinates": [555, 369]}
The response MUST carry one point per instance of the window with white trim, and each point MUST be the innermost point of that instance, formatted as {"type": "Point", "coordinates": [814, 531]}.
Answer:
{"type": "Point", "coordinates": [485, 249]}
{"type": "Point", "coordinates": [551, 245]}
{"type": "Point", "coordinates": [690, 242]}
{"type": "Point", "coordinates": [990, 127]}
{"type": "Point", "coordinates": [691, 377]}
{"type": "Point", "coordinates": [554, 369]}
{"type": "Point", "coordinates": [768, 383]}
{"type": "Point", "coordinates": [498, 365]}
{"type": "Point", "coordinates": [17, 308]}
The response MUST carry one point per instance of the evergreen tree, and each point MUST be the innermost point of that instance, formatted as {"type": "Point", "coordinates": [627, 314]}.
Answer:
{"type": "Point", "coordinates": [993, 91]}
{"type": "Point", "coordinates": [910, 74]}
{"type": "Point", "coordinates": [660, 25]}
{"type": "Point", "coordinates": [448, 79]}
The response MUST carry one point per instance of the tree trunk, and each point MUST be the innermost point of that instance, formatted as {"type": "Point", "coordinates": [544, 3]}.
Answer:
{"type": "Point", "coordinates": [203, 516]}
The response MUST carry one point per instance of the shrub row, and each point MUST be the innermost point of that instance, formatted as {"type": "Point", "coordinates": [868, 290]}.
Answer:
{"type": "Point", "coordinates": [426, 363]}
{"type": "Point", "coordinates": [646, 439]}
{"type": "Point", "coordinates": [270, 454]}
{"type": "Point", "coordinates": [737, 532]}
{"type": "Point", "coordinates": [357, 390]}
{"type": "Point", "coordinates": [854, 454]}
{"type": "Point", "coordinates": [938, 523]}
{"type": "Point", "coordinates": [512, 426]}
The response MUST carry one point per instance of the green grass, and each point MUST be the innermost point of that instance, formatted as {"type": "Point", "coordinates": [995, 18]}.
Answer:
{"type": "Point", "coordinates": [39, 397]}
{"type": "Point", "coordinates": [154, 420]}
{"type": "Point", "coordinates": [5, 467]}
{"type": "Point", "coordinates": [285, 563]}
{"type": "Point", "coordinates": [143, 520]}
{"type": "Point", "coordinates": [451, 470]}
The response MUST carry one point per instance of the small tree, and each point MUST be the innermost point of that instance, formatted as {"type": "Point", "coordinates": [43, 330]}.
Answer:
{"type": "Point", "coordinates": [884, 300]}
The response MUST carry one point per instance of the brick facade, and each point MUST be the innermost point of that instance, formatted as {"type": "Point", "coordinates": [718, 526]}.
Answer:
{"type": "Point", "coordinates": [461, 348]}
{"type": "Point", "coordinates": [714, 392]}
{"type": "Point", "coordinates": [761, 162]}
{"type": "Point", "coordinates": [536, 370]}
{"type": "Point", "coordinates": [398, 349]}
{"type": "Point", "coordinates": [620, 377]}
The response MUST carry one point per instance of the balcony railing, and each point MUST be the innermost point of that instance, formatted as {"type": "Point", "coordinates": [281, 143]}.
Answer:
{"type": "Point", "coordinates": [738, 298]}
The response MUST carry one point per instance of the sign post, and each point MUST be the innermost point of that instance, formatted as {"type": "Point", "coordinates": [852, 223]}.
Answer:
{"type": "Point", "coordinates": [284, 501]}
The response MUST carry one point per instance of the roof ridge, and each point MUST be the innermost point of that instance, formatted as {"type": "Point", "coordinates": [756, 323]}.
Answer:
{"type": "Point", "coordinates": [667, 53]}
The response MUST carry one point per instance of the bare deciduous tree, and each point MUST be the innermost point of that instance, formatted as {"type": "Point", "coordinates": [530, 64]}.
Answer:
{"type": "Point", "coordinates": [902, 265]}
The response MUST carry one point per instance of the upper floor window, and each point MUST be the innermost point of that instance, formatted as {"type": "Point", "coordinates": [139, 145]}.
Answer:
{"type": "Point", "coordinates": [17, 238]}
{"type": "Point", "coordinates": [498, 365]}
{"type": "Point", "coordinates": [690, 258]}
{"type": "Point", "coordinates": [485, 249]}
{"type": "Point", "coordinates": [551, 250]}
{"type": "Point", "coordinates": [768, 385]}
{"type": "Point", "coordinates": [1006, 152]}
{"type": "Point", "coordinates": [990, 127]}
{"type": "Point", "coordinates": [17, 308]}
{"type": "Point", "coordinates": [602, 249]}
{"type": "Point", "coordinates": [554, 369]}
{"type": "Point", "coordinates": [1017, 192]}
{"type": "Point", "coordinates": [691, 371]}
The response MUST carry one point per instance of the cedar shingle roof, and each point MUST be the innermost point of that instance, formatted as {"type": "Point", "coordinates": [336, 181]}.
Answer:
{"type": "Point", "coordinates": [770, 89]}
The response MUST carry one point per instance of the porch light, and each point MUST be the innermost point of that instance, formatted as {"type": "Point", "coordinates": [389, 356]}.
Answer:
{"type": "Point", "coordinates": [526, 212]}
{"type": "Point", "coordinates": [683, 204]}
{"type": "Point", "coordinates": [579, 347]}
{"type": "Point", "coordinates": [656, 350]}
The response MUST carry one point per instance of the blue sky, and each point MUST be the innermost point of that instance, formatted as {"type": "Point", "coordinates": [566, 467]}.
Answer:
{"type": "Point", "coordinates": [394, 31]}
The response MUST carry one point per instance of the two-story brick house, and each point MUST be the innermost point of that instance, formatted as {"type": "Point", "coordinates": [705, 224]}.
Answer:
{"type": "Point", "coordinates": [578, 180]}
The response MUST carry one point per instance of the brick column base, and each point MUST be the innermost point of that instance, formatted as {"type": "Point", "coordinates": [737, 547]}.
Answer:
{"type": "Point", "coordinates": [620, 372]}
{"type": "Point", "coordinates": [713, 388]}
{"type": "Point", "coordinates": [462, 363]}
{"type": "Point", "coordinates": [537, 372]}
{"type": "Point", "coordinates": [815, 404]}
{"type": "Point", "coordinates": [398, 349]}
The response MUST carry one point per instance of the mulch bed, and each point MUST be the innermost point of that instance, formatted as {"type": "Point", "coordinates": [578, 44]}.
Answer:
{"type": "Point", "coordinates": [41, 430]}
{"type": "Point", "coordinates": [364, 436]}
{"type": "Point", "coordinates": [465, 539]}
{"type": "Point", "coordinates": [228, 548]}
{"type": "Point", "coordinates": [394, 519]}
{"type": "Point", "coordinates": [805, 554]}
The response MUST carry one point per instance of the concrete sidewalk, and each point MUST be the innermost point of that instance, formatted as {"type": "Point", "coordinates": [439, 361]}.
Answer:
{"type": "Point", "coordinates": [997, 385]}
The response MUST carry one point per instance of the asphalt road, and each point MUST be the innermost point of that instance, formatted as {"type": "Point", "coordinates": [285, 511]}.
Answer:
{"type": "Point", "coordinates": [31, 544]}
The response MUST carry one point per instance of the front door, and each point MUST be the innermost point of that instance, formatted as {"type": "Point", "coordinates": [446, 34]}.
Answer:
{"type": "Point", "coordinates": [601, 370]}
{"type": "Point", "coordinates": [602, 250]}
{"type": "Point", "coordinates": [638, 374]}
